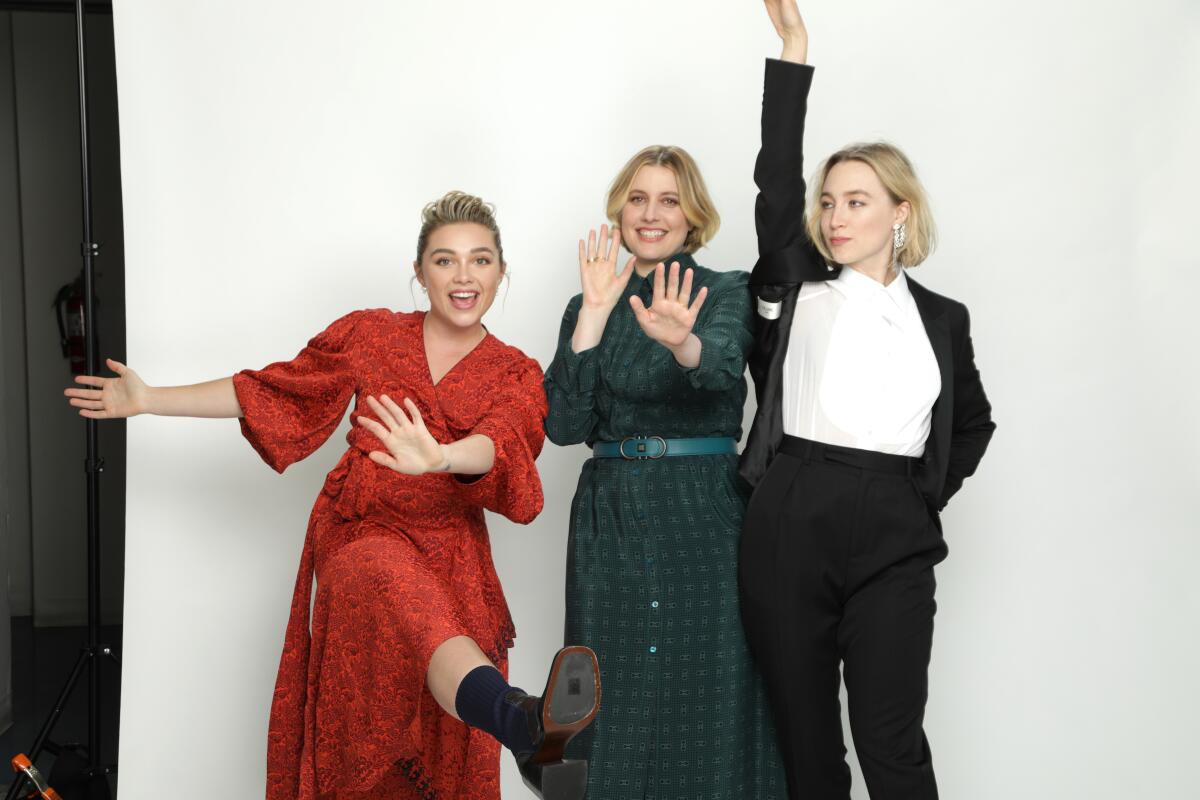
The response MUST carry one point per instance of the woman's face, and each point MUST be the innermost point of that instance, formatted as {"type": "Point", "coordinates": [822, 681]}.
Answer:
{"type": "Point", "coordinates": [461, 270]}
{"type": "Point", "coordinates": [653, 226]}
{"type": "Point", "coordinates": [857, 215]}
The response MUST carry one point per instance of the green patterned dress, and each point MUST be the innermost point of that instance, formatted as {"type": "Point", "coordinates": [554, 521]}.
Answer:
{"type": "Point", "coordinates": [652, 558]}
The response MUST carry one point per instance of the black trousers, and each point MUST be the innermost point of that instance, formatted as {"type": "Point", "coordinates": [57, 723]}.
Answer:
{"type": "Point", "coordinates": [837, 558]}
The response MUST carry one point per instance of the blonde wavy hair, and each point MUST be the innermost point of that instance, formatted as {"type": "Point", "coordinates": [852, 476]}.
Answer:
{"type": "Point", "coordinates": [898, 177]}
{"type": "Point", "coordinates": [455, 207]}
{"type": "Point", "coordinates": [694, 200]}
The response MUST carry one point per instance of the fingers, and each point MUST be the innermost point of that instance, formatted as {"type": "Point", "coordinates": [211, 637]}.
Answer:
{"type": "Point", "coordinates": [380, 432]}
{"type": "Point", "coordinates": [582, 255]}
{"type": "Point", "coordinates": [673, 284]}
{"type": "Point", "coordinates": [383, 459]}
{"type": "Point", "coordinates": [94, 405]}
{"type": "Point", "coordinates": [92, 380]}
{"type": "Point", "coordinates": [116, 366]}
{"type": "Point", "coordinates": [382, 412]}
{"type": "Point", "coordinates": [694, 311]}
{"type": "Point", "coordinates": [640, 312]}
{"type": "Point", "coordinates": [616, 245]}
{"type": "Point", "coordinates": [83, 412]}
{"type": "Point", "coordinates": [417, 421]}
{"type": "Point", "coordinates": [685, 290]}
{"type": "Point", "coordinates": [591, 246]}
{"type": "Point", "coordinates": [624, 275]}
{"type": "Point", "coordinates": [395, 410]}
{"type": "Point", "coordinates": [85, 394]}
{"type": "Point", "coordinates": [657, 297]}
{"type": "Point", "coordinates": [602, 247]}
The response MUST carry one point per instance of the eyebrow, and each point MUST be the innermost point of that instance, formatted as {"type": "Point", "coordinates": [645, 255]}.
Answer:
{"type": "Point", "coordinates": [863, 192]}
{"type": "Point", "coordinates": [447, 250]}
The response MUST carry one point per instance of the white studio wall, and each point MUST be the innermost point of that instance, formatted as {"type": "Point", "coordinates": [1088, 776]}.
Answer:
{"type": "Point", "coordinates": [275, 160]}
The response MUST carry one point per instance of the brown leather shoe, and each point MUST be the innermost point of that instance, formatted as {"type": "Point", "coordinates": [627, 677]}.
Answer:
{"type": "Point", "coordinates": [567, 706]}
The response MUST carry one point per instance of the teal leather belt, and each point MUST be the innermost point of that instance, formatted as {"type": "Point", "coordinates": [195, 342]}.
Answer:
{"type": "Point", "coordinates": [637, 448]}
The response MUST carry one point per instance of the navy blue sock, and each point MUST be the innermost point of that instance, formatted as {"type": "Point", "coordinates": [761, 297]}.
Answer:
{"type": "Point", "coordinates": [480, 703]}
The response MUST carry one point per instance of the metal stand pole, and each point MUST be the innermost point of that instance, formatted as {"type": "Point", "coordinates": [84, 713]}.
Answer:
{"type": "Point", "coordinates": [93, 782]}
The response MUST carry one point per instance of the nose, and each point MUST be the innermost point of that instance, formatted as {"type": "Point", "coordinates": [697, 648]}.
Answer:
{"type": "Point", "coordinates": [836, 217]}
{"type": "Point", "coordinates": [462, 272]}
{"type": "Point", "coordinates": [649, 211]}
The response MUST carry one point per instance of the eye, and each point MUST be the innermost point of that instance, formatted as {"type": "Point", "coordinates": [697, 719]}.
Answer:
{"type": "Point", "coordinates": [636, 199]}
{"type": "Point", "coordinates": [857, 203]}
{"type": "Point", "coordinates": [670, 201]}
{"type": "Point", "coordinates": [483, 261]}
{"type": "Point", "coordinates": [825, 204]}
{"type": "Point", "coordinates": [443, 261]}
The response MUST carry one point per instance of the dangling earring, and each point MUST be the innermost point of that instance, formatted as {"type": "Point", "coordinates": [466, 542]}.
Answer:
{"type": "Point", "coordinates": [899, 237]}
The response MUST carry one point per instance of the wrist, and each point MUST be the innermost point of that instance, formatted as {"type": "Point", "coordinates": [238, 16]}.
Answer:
{"type": "Point", "coordinates": [148, 403]}
{"type": "Point", "coordinates": [444, 464]}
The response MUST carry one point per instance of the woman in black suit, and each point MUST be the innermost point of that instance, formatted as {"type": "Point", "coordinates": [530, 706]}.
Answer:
{"type": "Point", "coordinates": [870, 415]}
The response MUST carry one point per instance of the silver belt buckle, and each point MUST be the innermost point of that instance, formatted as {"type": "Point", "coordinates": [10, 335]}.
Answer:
{"type": "Point", "coordinates": [641, 447]}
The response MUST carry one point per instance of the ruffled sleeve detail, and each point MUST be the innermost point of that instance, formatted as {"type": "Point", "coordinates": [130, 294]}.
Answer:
{"type": "Point", "coordinates": [291, 407]}
{"type": "Point", "coordinates": [515, 424]}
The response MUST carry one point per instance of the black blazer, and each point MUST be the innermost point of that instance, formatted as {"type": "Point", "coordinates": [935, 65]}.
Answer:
{"type": "Point", "coordinates": [962, 417]}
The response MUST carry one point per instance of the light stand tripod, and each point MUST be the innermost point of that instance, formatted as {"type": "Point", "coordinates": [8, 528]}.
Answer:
{"type": "Point", "coordinates": [77, 777]}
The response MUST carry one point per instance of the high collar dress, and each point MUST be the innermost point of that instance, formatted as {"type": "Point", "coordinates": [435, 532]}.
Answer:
{"type": "Point", "coordinates": [402, 563]}
{"type": "Point", "coordinates": [652, 558]}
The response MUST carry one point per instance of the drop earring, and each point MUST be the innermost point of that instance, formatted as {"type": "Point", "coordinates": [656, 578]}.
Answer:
{"type": "Point", "coordinates": [899, 237]}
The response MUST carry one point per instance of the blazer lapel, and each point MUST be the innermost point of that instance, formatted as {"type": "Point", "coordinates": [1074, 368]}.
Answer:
{"type": "Point", "coordinates": [936, 318]}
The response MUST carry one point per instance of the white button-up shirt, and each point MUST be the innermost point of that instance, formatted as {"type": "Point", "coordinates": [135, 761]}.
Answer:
{"type": "Point", "coordinates": [860, 371]}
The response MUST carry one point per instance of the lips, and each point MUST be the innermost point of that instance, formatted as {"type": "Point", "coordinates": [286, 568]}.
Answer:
{"type": "Point", "coordinates": [651, 235]}
{"type": "Point", "coordinates": [836, 241]}
{"type": "Point", "coordinates": [463, 300]}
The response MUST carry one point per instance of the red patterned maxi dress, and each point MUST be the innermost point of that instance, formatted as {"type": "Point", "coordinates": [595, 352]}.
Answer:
{"type": "Point", "coordinates": [402, 563]}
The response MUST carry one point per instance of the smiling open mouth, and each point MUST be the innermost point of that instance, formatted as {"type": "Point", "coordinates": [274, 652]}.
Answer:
{"type": "Point", "coordinates": [463, 300]}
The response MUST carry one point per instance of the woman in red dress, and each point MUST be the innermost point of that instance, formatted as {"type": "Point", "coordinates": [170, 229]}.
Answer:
{"type": "Point", "coordinates": [409, 628]}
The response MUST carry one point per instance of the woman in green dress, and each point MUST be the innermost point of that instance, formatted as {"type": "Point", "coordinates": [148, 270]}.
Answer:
{"type": "Point", "coordinates": [649, 373]}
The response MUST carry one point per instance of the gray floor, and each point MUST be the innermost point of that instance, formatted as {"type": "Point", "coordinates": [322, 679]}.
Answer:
{"type": "Point", "coordinates": [42, 662]}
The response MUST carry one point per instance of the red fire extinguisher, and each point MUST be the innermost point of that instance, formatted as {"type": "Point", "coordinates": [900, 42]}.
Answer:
{"type": "Point", "coordinates": [68, 305]}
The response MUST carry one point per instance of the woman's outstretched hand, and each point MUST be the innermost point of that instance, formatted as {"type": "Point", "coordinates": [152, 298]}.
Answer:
{"type": "Point", "coordinates": [602, 284]}
{"type": "Point", "coordinates": [411, 449]}
{"type": "Point", "coordinates": [785, 16]}
{"type": "Point", "coordinates": [109, 398]}
{"type": "Point", "coordinates": [670, 318]}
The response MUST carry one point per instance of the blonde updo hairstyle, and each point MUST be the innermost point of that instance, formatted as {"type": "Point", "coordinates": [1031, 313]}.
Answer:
{"type": "Point", "coordinates": [694, 200]}
{"type": "Point", "coordinates": [453, 208]}
{"type": "Point", "coordinates": [898, 177]}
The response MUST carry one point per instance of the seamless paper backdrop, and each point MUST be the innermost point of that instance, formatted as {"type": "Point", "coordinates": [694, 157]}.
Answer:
{"type": "Point", "coordinates": [275, 160]}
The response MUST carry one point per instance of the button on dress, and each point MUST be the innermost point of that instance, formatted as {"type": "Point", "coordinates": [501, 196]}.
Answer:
{"type": "Point", "coordinates": [652, 557]}
{"type": "Point", "coordinates": [402, 562]}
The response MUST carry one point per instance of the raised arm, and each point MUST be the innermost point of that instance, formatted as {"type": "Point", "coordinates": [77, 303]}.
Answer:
{"type": "Point", "coordinates": [127, 395]}
{"type": "Point", "coordinates": [779, 170]}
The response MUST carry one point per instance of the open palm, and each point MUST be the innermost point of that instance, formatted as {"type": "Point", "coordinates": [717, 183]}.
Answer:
{"type": "Point", "coordinates": [411, 448]}
{"type": "Point", "coordinates": [109, 398]}
{"type": "Point", "coordinates": [670, 318]}
{"type": "Point", "coordinates": [602, 284]}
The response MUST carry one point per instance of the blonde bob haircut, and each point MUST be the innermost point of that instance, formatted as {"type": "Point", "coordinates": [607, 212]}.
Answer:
{"type": "Point", "coordinates": [694, 200]}
{"type": "Point", "coordinates": [898, 177]}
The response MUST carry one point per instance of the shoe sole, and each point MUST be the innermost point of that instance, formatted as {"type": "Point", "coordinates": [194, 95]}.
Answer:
{"type": "Point", "coordinates": [570, 703]}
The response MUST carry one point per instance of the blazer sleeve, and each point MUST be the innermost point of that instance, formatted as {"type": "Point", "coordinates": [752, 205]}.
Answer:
{"type": "Point", "coordinates": [972, 424]}
{"type": "Point", "coordinates": [786, 256]}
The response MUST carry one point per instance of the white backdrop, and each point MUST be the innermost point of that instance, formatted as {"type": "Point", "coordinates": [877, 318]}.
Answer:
{"type": "Point", "coordinates": [276, 156]}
